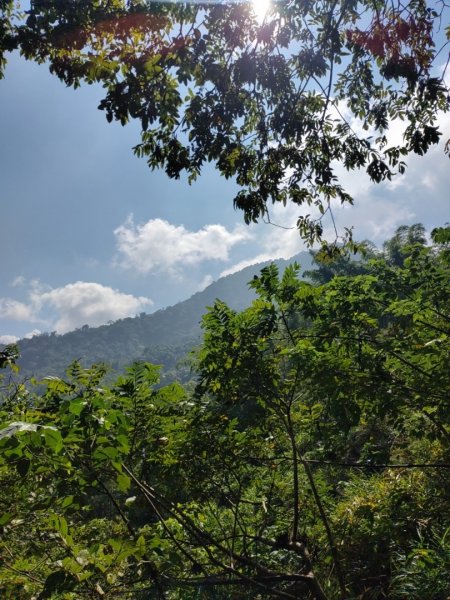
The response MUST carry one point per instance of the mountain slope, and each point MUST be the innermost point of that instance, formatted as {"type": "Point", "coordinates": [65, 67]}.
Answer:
{"type": "Point", "coordinates": [162, 337]}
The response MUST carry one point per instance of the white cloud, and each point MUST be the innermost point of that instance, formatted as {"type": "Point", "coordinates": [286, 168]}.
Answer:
{"type": "Point", "coordinates": [207, 280]}
{"type": "Point", "coordinates": [15, 310]}
{"type": "Point", "coordinates": [18, 281]}
{"type": "Point", "coordinates": [157, 245]}
{"type": "Point", "coordinates": [73, 305]}
{"type": "Point", "coordinates": [420, 195]}
{"type": "Point", "coordinates": [259, 258]}
{"type": "Point", "coordinates": [8, 339]}
{"type": "Point", "coordinates": [31, 334]}
{"type": "Point", "coordinates": [278, 239]}
{"type": "Point", "coordinates": [87, 303]}
{"type": "Point", "coordinates": [374, 216]}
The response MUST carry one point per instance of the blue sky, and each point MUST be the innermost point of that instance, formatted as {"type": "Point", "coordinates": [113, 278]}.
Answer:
{"type": "Point", "coordinates": [89, 234]}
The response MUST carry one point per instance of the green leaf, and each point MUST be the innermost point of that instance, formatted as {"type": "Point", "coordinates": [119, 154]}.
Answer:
{"type": "Point", "coordinates": [140, 545]}
{"type": "Point", "coordinates": [105, 453]}
{"type": "Point", "coordinates": [123, 482]}
{"type": "Point", "coordinates": [5, 518]}
{"type": "Point", "coordinates": [76, 406]}
{"type": "Point", "coordinates": [53, 439]}
{"type": "Point", "coordinates": [68, 501]}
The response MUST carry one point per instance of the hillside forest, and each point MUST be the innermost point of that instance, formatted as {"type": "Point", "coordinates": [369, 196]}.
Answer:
{"type": "Point", "coordinates": [164, 337]}
{"type": "Point", "coordinates": [307, 458]}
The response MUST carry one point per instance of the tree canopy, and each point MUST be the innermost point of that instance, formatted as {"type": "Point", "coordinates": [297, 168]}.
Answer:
{"type": "Point", "coordinates": [275, 103]}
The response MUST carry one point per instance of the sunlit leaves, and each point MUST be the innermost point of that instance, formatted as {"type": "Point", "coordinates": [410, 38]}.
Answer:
{"type": "Point", "coordinates": [272, 105]}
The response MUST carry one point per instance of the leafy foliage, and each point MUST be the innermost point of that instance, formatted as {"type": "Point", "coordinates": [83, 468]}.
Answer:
{"type": "Point", "coordinates": [8, 356]}
{"type": "Point", "coordinates": [266, 102]}
{"type": "Point", "coordinates": [310, 462]}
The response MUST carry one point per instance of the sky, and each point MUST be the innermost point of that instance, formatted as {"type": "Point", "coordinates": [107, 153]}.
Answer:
{"type": "Point", "coordinates": [89, 234]}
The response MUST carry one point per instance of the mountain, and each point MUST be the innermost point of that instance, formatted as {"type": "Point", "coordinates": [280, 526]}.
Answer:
{"type": "Point", "coordinates": [163, 337]}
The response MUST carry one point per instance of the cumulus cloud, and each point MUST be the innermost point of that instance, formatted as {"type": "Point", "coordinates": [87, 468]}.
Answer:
{"type": "Point", "coordinates": [75, 304]}
{"type": "Point", "coordinates": [15, 310]}
{"type": "Point", "coordinates": [258, 258]}
{"type": "Point", "coordinates": [90, 303]}
{"type": "Point", "coordinates": [157, 245]}
{"type": "Point", "coordinates": [420, 195]}
{"type": "Point", "coordinates": [371, 218]}
{"type": "Point", "coordinates": [8, 339]}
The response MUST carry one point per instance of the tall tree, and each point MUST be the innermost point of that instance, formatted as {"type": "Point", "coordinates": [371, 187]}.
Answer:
{"type": "Point", "coordinates": [275, 103]}
{"type": "Point", "coordinates": [403, 241]}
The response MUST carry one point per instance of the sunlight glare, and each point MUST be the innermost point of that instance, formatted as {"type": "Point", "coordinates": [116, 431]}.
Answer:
{"type": "Point", "coordinates": [260, 9]}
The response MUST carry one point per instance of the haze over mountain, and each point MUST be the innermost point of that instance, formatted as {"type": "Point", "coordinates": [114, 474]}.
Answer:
{"type": "Point", "coordinates": [163, 337]}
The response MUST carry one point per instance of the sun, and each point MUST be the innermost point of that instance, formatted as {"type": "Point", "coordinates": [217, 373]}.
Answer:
{"type": "Point", "coordinates": [260, 9]}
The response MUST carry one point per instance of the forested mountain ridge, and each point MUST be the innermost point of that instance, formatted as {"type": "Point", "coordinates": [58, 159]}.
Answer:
{"type": "Point", "coordinates": [163, 337]}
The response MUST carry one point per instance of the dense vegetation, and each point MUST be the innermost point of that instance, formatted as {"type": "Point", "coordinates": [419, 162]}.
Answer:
{"type": "Point", "coordinates": [311, 461]}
